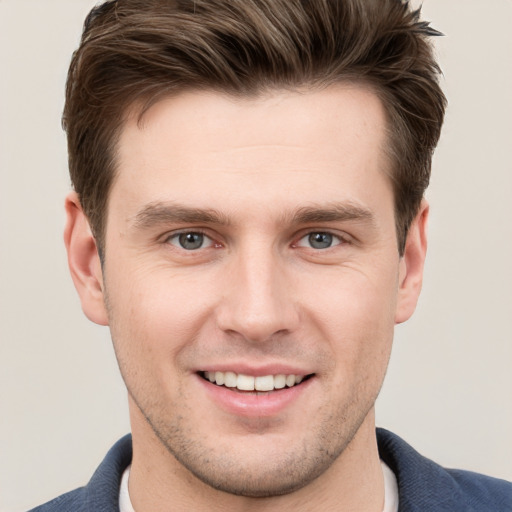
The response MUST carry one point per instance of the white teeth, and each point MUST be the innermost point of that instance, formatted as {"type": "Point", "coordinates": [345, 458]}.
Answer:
{"type": "Point", "coordinates": [230, 380]}
{"type": "Point", "coordinates": [290, 380]}
{"type": "Point", "coordinates": [245, 382]}
{"type": "Point", "coordinates": [265, 383]}
{"type": "Point", "coordinates": [280, 381]}
{"type": "Point", "coordinates": [250, 383]}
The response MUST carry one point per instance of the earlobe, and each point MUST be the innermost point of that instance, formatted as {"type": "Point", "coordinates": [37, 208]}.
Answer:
{"type": "Point", "coordinates": [411, 265]}
{"type": "Point", "coordinates": [84, 261]}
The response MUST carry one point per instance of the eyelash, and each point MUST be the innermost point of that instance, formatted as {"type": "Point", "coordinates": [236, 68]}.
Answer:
{"type": "Point", "coordinates": [176, 236]}
{"type": "Point", "coordinates": [331, 238]}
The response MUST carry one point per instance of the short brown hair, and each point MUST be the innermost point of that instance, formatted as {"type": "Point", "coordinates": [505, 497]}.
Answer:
{"type": "Point", "coordinates": [137, 51]}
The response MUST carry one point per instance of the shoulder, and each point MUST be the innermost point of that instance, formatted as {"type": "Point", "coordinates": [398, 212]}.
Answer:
{"type": "Point", "coordinates": [101, 494]}
{"type": "Point", "coordinates": [74, 500]}
{"type": "Point", "coordinates": [426, 486]}
{"type": "Point", "coordinates": [483, 490]}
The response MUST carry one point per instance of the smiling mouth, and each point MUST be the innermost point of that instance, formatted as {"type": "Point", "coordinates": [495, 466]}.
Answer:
{"type": "Point", "coordinates": [241, 382]}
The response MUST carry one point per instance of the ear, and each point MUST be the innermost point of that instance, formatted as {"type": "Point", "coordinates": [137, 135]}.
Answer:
{"type": "Point", "coordinates": [84, 261]}
{"type": "Point", "coordinates": [411, 265]}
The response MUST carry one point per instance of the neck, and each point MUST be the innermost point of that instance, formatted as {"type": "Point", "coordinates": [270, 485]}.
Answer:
{"type": "Point", "coordinates": [354, 482]}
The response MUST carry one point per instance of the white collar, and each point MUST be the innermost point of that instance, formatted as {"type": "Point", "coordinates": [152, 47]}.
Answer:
{"type": "Point", "coordinates": [390, 491]}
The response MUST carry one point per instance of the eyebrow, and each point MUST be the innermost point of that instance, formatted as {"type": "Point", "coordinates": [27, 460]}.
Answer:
{"type": "Point", "coordinates": [159, 213]}
{"type": "Point", "coordinates": [333, 212]}
{"type": "Point", "coordinates": [164, 213]}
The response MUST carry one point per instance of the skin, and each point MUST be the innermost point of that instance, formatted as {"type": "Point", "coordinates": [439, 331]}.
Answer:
{"type": "Point", "coordinates": [256, 294]}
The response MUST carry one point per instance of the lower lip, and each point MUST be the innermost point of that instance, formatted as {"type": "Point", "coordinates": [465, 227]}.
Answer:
{"type": "Point", "coordinates": [251, 404]}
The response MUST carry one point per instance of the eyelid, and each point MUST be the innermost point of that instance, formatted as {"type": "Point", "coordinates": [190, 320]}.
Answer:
{"type": "Point", "coordinates": [174, 235]}
{"type": "Point", "coordinates": [342, 238]}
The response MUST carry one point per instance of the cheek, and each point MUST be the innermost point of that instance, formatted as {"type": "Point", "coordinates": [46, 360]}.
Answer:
{"type": "Point", "coordinates": [354, 298]}
{"type": "Point", "coordinates": [156, 315]}
{"type": "Point", "coordinates": [356, 315]}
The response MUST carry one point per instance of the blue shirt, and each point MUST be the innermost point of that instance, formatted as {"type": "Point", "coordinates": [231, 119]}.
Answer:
{"type": "Point", "coordinates": [423, 485]}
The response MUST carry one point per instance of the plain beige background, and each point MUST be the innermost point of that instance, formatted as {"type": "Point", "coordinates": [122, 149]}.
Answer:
{"type": "Point", "coordinates": [449, 386]}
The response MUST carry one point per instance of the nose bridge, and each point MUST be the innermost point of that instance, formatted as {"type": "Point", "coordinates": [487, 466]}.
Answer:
{"type": "Point", "coordinates": [258, 303]}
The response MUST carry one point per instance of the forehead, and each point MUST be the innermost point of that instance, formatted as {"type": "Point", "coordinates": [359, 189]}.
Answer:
{"type": "Point", "coordinates": [348, 107]}
{"type": "Point", "coordinates": [209, 148]}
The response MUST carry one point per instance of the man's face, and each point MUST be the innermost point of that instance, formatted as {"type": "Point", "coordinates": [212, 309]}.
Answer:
{"type": "Point", "coordinates": [249, 241]}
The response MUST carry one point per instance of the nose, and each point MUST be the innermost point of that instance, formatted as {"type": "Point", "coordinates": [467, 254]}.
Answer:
{"type": "Point", "coordinates": [258, 298]}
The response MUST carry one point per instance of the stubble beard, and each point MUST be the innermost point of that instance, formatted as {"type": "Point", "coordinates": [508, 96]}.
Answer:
{"type": "Point", "coordinates": [222, 468]}
{"type": "Point", "coordinates": [292, 469]}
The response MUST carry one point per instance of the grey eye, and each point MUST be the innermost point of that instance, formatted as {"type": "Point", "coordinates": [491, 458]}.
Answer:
{"type": "Point", "coordinates": [190, 240]}
{"type": "Point", "coordinates": [320, 240]}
